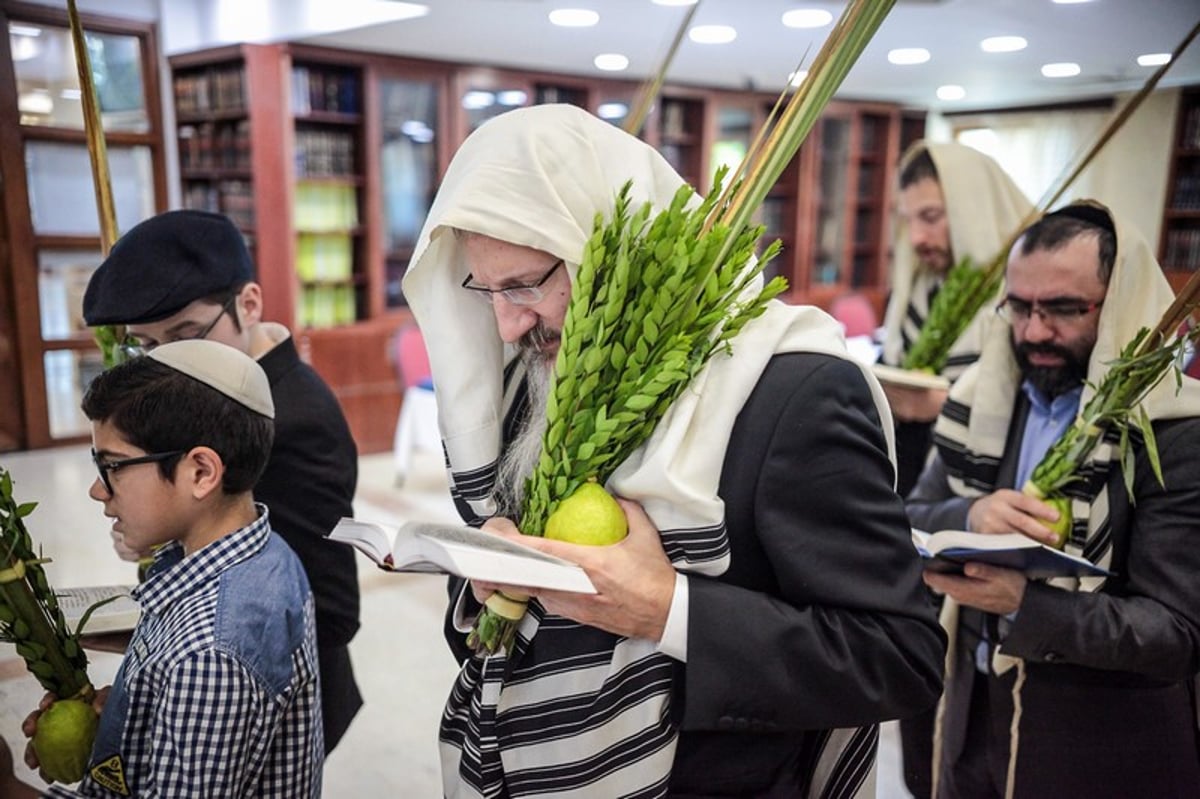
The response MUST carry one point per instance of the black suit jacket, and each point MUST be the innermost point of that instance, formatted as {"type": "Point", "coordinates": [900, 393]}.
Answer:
{"type": "Point", "coordinates": [309, 484]}
{"type": "Point", "coordinates": [821, 620]}
{"type": "Point", "coordinates": [1109, 705]}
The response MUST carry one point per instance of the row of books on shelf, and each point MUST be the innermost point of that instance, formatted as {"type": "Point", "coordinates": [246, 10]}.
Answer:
{"type": "Point", "coordinates": [1190, 138]}
{"type": "Point", "coordinates": [1183, 250]}
{"type": "Point", "coordinates": [234, 198]}
{"type": "Point", "coordinates": [318, 89]}
{"type": "Point", "coordinates": [324, 153]}
{"type": "Point", "coordinates": [325, 306]}
{"type": "Point", "coordinates": [1187, 192]}
{"type": "Point", "coordinates": [324, 256]}
{"type": "Point", "coordinates": [209, 145]}
{"type": "Point", "coordinates": [325, 206]}
{"type": "Point", "coordinates": [215, 89]}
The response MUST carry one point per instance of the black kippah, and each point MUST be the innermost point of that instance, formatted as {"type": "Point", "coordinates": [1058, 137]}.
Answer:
{"type": "Point", "coordinates": [1093, 215]}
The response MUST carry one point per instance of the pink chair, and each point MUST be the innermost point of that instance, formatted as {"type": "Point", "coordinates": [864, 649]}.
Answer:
{"type": "Point", "coordinates": [856, 314]}
{"type": "Point", "coordinates": [417, 425]}
{"type": "Point", "coordinates": [412, 361]}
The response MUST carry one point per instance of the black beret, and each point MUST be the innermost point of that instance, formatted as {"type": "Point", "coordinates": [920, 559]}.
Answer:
{"type": "Point", "coordinates": [163, 264]}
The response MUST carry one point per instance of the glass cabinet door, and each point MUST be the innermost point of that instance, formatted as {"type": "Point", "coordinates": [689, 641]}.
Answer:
{"type": "Point", "coordinates": [48, 81]}
{"type": "Point", "coordinates": [829, 244]}
{"type": "Point", "coordinates": [408, 171]}
{"type": "Point", "coordinates": [53, 239]}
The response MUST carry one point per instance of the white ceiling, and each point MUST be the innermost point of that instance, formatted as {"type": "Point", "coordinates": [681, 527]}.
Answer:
{"type": "Point", "coordinates": [1103, 36]}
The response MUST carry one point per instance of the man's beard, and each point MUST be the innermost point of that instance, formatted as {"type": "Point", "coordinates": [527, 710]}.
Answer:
{"type": "Point", "coordinates": [523, 452]}
{"type": "Point", "coordinates": [1053, 380]}
{"type": "Point", "coordinates": [935, 259]}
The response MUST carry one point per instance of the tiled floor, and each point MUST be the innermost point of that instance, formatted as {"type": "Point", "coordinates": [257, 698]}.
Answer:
{"type": "Point", "coordinates": [403, 666]}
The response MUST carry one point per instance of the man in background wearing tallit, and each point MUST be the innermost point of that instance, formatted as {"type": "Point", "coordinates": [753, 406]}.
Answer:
{"type": "Point", "coordinates": [789, 618]}
{"type": "Point", "coordinates": [1069, 687]}
{"type": "Point", "coordinates": [954, 203]}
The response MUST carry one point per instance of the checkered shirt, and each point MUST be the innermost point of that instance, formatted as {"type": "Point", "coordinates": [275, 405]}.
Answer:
{"type": "Point", "coordinates": [201, 720]}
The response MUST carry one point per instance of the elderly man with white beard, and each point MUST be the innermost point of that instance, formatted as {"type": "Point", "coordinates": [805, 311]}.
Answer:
{"type": "Point", "coordinates": [765, 612]}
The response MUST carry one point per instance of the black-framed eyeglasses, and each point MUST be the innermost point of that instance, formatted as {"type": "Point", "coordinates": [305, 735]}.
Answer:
{"type": "Point", "coordinates": [105, 467]}
{"type": "Point", "coordinates": [531, 294]}
{"type": "Point", "coordinates": [1051, 312]}
{"type": "Point", "coordinates": [133, 348]}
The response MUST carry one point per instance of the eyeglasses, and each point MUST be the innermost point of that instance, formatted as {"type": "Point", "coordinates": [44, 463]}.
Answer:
{"type": "Point", "coordinates": [105, 467]}
{"type": "Point", "coordinates": [1052, 312]}
{"type": "Point", "coordinates": [133, 348]}
{"type": "Point", "coordinates": [517, 295]}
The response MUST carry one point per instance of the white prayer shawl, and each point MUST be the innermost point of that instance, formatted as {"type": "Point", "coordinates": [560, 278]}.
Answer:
{"type": "Point", "coordinates": [973, 428]}
{"type": "Point", "coordinates": [576, 711]}
{"type": "Point", "coordinates": [984, 207]}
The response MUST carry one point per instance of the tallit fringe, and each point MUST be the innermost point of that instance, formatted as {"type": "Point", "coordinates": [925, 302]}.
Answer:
{"type": "Point", "coordinates": [1014, 732]}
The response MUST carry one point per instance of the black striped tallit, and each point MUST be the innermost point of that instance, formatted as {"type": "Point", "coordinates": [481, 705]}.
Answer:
{"type": "Point", "coordinates": [575, 711]}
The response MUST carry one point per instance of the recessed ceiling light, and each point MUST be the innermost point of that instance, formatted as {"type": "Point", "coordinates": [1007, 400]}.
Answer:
{"type": "Point", "coordinates": [611, 62]}
{"type": "Point", "coordinates": [1154, 59]}
{"type": "Point", "coordinates": [1071, 2]}
{"type": "Point", "coordinates": [675, 2]}
{"type": "Point", "coordinates": [908, 55]}
{"type": "Point", "coordinates": [17, 29]}
{"type": "Point", "coordinates": [807, 18]}
{"type": "Point", "coordinates": [511, 97]}
{"type": "Point", "coordinates": [1064, 69]}
{"type": "Point", "coordinates": [797, 77]}
{"type": "Point", "coordinates": [24, 48]}
{"type": "Point", "coordinates": [951, 92]}
{"type": "Point", "coordinates": [37, 101]}
{"type": "Point", "coordinates": [612, 110]}
{"type": "Point", "coordinates": [712, 34]}
{"type": "Point", "coordinates": [474, 100]}
{"type": "Point", "coordinates": [1003, 44]}
{"type": "Point", "coordinates": [574, 17]}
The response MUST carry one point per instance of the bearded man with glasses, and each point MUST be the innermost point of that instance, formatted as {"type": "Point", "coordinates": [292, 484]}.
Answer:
{"type": "Point", "coordinates": [1069, 687]}
{"type": "Point", "coordinates": [187, 275]}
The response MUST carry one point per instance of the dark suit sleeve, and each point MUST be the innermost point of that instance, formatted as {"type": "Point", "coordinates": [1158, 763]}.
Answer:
{"type": "Point", "coordinates": [1146, 620]}
{"type": "Point", "coordinates": [931, 505]}
{"type": "Point", "coordinates": [822, 619]}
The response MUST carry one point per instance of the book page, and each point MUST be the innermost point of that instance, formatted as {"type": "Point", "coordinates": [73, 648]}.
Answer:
{"type": "Point", "coordinates": [120, 614]}
{"type": "Point", "coordinates": [478, 539]}
{"type": "Point", "coordinates": [962, 539]}
{"type": "Point", "coordinates": [370, 539]}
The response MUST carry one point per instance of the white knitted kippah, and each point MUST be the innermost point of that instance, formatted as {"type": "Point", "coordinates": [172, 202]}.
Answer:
{"type": "Point", "coordinates": [228, 370]}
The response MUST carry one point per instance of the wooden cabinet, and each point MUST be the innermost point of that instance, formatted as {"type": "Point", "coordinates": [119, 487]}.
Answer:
{"type": "Point", "coordinates": [1179, 247]}
{"type": "Point", "coordinates": [680, 128]}
{"type": "Point", "coordinates": [50, 243]}
{"type": "Point", "coordinates": [275, 142]}
{"type": "Point", "coordinates": [832, 205]}
{"type": "Point", "coordinates": [327, 160]}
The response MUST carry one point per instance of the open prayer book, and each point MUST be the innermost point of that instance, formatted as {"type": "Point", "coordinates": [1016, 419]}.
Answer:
{"type": "Point", "coordinates": [908, 378]}
{"type": "Point", "coordinates": [947, 551]}
{"type": "Point", "coordinates": [118, 615]}
{"type": "Point", "coordinates": [462, 551]}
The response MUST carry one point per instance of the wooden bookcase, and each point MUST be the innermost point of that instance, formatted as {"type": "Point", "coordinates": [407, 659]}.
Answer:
{"type": "Point", "coordinates": [317, 128]}
{"type": "Point", "coordinates": [1179, 245]}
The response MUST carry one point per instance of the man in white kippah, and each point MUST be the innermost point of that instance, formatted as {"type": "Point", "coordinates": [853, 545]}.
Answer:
{"type": "Point", "coordinates": [218, 693]}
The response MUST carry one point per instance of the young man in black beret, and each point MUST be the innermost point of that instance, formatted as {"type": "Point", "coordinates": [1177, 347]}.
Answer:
{"type": "Point", "coordinates": [187, 275]}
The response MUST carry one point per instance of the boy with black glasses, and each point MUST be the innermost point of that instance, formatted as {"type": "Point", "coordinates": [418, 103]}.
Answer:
{"type": "Point", "coordinates": [187, 275]}
{"type": "Point", "coordinates": [218, 694]}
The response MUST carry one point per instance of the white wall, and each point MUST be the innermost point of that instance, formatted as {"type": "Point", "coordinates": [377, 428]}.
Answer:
{"type": "Point", "coordinates": [1129, 174]}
